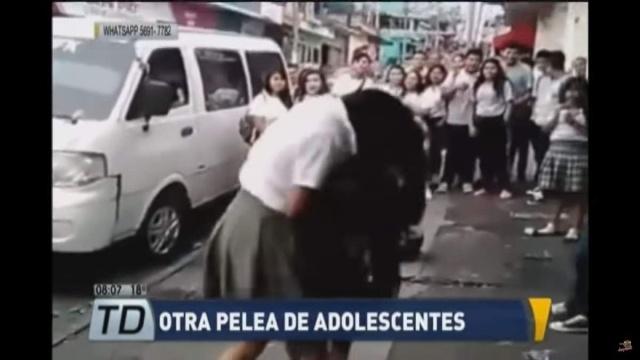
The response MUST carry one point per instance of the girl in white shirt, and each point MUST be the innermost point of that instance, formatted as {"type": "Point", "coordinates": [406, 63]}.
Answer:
{"type": "Point", "coordinates": [394, 84]}
{"type": "Point", "coordinates": [493, 97]}
{"type": "Point", "coordinates": [435, 112]}
{"type": "Point", "coordinates": [564, 170]}
{"type": "Point", "coordinates": [311, 83]}
{"type": "Point", "coordinates": [273, 102]}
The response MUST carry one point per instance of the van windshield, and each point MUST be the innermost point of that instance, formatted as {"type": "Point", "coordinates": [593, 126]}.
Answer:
{"type": "Point", "coordinates": [88, 76]}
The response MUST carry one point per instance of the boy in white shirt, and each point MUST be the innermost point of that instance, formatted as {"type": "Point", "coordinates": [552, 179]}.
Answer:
{"type": "Point", "coordinates": [458, 90]}
{"type": "Point", "coordinates": [357, 79]}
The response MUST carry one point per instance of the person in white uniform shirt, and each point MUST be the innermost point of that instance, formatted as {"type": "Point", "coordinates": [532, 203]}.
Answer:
{"type": "Point", "coordinates": [394, 83]}
{"type": "Point", "coordinates": [545, 94]}
{"type": "Point", "coordinates": [565, 169]}
{"type": "Point", "coordinates": [357, 79]}
{"type": "Point", "coordinates": [256, 250]}
{"type": "Point", "coordinates": [270, 104]}
{"type": "Point", "coordinates": [458, 91]}
{"type": "Point", "coordinates": [493, 96]}
{"type": "Point", "coordinates": [434, 116]}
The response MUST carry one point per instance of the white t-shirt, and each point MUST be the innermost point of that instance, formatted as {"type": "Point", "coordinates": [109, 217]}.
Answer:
{"type": "Point", "coordinates": [546, 92]}
{"type": "Point", "coordinates": [267, 106]}
{"type": "Point", "coordinates": [488, 103]}
{"type": "Point", "coordinates": [431, 99]}
{"type": "Point", "coordinates": [347, 84]}
{"type": "Point", "coordinates": [299, 149]}
{"type": "Point", "coordinates": [564, 131]}
{"type": "Point", "coordinates": [460, 110]}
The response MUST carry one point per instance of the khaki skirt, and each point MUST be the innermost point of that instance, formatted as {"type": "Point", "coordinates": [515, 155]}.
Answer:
{"type": "Point", "coordinates": [250, 253]}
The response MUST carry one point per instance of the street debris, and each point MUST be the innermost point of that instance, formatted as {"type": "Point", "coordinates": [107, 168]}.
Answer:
{"type": "Point", "coordinates": [77, 310]}
{"type": "Point", "coordinates": [545, 256]}
{"type": "Point", "coordinates": [507, 246]}
{"type": "Point", "coordinates": [55, 313]}
{"type": "Point", "coordinates": [454, 282]}
{"type": "Point", "coordinates": [537, 354]}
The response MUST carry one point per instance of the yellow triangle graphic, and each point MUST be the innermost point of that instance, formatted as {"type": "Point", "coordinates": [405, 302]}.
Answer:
{"type": "Point", "coordinates": [540, 308]}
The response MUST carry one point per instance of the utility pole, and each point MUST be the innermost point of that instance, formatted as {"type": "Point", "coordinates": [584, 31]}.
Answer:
{"type": "Point", "coordinates": [470, 23]}
{"type": "Point", "coordinates": [296, 32]}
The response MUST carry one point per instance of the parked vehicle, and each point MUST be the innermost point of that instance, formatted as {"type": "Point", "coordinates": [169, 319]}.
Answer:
{"type": "Point", "coordinates": [146, 130]}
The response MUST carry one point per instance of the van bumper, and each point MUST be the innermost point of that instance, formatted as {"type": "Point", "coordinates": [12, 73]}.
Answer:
{"type": "Point", "coordinates": [84, 217]}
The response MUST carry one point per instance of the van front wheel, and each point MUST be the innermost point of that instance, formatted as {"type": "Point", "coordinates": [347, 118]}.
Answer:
{"type": "Point", "coordinates": [164, 225]}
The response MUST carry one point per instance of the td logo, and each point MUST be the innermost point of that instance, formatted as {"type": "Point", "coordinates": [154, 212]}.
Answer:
{"type": "Point", "coordinates": [121, 320]}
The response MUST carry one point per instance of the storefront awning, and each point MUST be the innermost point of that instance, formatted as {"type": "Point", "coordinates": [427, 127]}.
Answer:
{"type": "Point", "coordinates": [521, 34]}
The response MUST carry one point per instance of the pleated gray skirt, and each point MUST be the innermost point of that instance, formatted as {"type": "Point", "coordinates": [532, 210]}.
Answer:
{"type": "Point", "coordinates": [250, 253]}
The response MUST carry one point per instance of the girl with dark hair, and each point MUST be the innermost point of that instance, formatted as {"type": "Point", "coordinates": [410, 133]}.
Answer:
{"type": "Point", "coordinates": [273, 102]}
{"type": "Point", "coordinates": [310, 83]}
{"type": "Point", "coordinates": [434, 116]}
{"type": "Point", "coordinates": [394, 82]}
{"type": "Point", "coordinates": [493, 97]}
{"type": "Point", "coordinates": [564, 170]}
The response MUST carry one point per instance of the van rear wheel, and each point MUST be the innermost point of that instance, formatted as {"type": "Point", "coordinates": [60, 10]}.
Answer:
{"type": "Point", "coordinates": [164, 226]}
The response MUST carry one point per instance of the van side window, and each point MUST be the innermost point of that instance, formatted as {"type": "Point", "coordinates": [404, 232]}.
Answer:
{"type": "Point", "coordinates": [223, 79]}
{"type": "Point", "coordinates": [165, 65]}
{"type": "Point", "coordinates": [261, 64]}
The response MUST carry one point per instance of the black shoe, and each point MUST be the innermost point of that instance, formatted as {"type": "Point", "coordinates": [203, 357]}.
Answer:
{"type": "Point", "coordinates": [575, 325]}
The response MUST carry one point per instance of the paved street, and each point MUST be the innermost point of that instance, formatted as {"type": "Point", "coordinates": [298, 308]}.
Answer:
{"type": "Point", "coordinates": [469, 241]}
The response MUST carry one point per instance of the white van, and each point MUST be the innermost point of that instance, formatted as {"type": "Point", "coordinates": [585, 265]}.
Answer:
{"type": "Point", "coordinates": [144, 131]}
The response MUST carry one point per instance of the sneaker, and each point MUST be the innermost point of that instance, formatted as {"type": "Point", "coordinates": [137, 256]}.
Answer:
{"type": "Point", "coordinates": [467, 188]}
{"type": "Point", "coordinates": [572, 235]}
{"type": "Point", "coordinates": [480, 192]}
{"type": "Point", "coordinates": [533, 191]}
{"type": "Point", "coordinates": [428, 194]}
{"type": "Point", "coordinates": [443, 188]}
{"type": "Point", "coordinates": [575, 324]}
{"type": "Point", "coordinates": [550, 229]}
{"type": "Point", "coordinates": [505, 194]}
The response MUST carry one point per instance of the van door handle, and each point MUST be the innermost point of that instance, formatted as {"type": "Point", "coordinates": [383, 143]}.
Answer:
{"type": "Point", "coordinates": [186, 131]}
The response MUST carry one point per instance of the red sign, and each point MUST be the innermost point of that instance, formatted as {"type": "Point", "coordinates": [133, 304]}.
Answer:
{"type": "Point", "coordinates": [193, 14]}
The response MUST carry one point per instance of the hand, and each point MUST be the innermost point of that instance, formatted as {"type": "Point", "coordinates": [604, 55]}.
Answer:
{"type": "Point", "coordinates": [473, 131]}
{"type": "Point", "coordinates": [441, 122]}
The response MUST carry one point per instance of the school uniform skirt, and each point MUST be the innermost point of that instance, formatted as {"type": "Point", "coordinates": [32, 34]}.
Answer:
{"type": "Point", "coordinates": [565, 167]}
{"type": "Point", "coordinates": [250, 253]}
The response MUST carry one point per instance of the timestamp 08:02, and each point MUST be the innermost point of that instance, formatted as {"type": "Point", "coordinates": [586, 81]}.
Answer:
{"type": "Point", "coordinates": [119, 290]}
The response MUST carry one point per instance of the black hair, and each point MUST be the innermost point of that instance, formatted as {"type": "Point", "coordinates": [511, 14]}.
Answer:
{"type": "Point", "coordinates": [579, 84]}
{"type": "Point", "coordinates": [476, 52]}
{"type": "Point", "coordinates": [392, 67]}
{"type": "Point", "coordinates": [427, 81]}
{"type": "Point", "coordinates": [420, 85]}
{"type": "Point", "coordinates": [359, 55]}
{"type": "Point", "coordinates": [498, 81]}
{"type": "Point", "coordinates": [528, 61]}
{"type": "Point", "coordinates": [543, 54]}
{"type": "Point", "coordinates": [285, 94]}
{"type": "Point", "coordinates": [557, 60]}
{"type": "Point", "coordinates": [374, 115]}
{"type": "Point", "coordinates": [301, 90]}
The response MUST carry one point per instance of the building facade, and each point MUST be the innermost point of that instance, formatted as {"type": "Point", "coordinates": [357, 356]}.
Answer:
{"type": "Point", "coordinates": [558, 26]}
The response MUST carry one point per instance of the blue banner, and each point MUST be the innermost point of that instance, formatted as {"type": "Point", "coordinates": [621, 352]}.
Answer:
{"type": "Point", "coordinates": [417, 320]}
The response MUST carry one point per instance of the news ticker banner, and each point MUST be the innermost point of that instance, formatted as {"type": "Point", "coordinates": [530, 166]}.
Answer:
{"type": "Point", "coordinates": [139, 319]}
